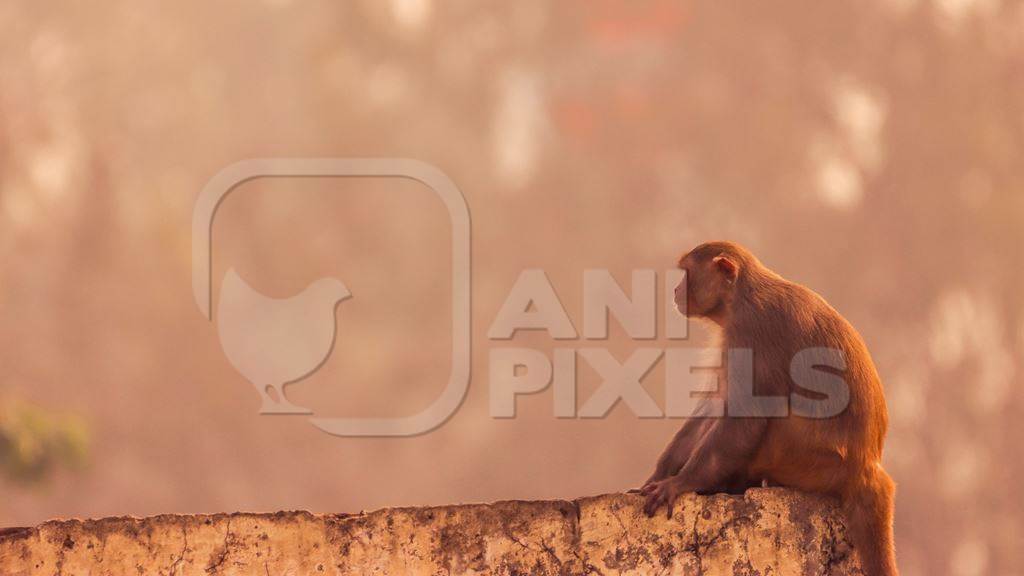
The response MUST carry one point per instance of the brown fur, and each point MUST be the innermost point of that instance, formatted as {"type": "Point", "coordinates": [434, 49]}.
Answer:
{"type": "Point", "coordinates": [841, 455]}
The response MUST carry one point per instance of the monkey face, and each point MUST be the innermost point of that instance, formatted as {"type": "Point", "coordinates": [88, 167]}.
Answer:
{"type": "Point", "coordinates": [707, 289]}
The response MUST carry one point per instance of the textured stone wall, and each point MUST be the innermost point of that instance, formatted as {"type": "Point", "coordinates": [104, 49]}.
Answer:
{"type": "Point", "coordinates": [767, 532]}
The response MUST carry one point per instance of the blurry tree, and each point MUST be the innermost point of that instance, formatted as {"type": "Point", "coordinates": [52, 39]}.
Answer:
{"type": "Point", "coordinates": [35, 442]}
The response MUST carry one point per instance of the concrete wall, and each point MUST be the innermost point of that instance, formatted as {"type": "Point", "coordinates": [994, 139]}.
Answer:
{"type": "Point", "coordinates": [767, 532]}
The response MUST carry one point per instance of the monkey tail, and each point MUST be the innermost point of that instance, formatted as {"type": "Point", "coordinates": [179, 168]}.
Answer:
{"type": "Point", "coordinates": [868, 504]}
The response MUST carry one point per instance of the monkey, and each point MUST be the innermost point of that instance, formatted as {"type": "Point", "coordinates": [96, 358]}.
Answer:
{"type": "Point", "coordinates": [840, 455]}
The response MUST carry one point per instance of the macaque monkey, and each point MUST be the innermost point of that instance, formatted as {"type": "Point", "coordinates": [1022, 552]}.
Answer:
{"type": "Point", "coordinates": [838, 455]}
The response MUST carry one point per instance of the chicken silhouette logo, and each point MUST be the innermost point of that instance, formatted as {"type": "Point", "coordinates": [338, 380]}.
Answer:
{"type": "Point", "coordinates": [276, 342]}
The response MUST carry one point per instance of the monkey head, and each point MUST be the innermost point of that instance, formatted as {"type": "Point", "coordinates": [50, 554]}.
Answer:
{"type": "Point", "coordinates": [712, 271]}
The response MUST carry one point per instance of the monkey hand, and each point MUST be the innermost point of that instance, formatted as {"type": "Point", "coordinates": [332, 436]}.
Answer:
{"type": "Point", "coordinates": [646, 485]}
{"type": "Point", "coordinates": [642, 489]}
{"type": "Point", "coordinates": [661, 492]}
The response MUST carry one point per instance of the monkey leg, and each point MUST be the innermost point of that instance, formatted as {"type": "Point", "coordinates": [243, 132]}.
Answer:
{"type": "Point", "coordinates": [724, 452]}
{"type": "Point", "coordinates": [738, 483]}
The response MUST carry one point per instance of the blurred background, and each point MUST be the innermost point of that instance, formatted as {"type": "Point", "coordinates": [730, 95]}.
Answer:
{"type": "Point", "coordinates": [871, 150]}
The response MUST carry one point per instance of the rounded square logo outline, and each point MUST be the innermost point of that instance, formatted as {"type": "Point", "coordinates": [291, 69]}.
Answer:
{"type": "Point", "coordinates": [234, 175]}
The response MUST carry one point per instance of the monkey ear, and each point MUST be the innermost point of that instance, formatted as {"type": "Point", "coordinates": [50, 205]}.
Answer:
{"type": "Point", "coordinates": [727, 266]}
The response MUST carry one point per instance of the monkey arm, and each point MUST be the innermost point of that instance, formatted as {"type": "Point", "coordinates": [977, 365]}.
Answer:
{"type": "Point", "coordinates": [678, 451]}
{"type": "Point", "coordinates": [725, 449]}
